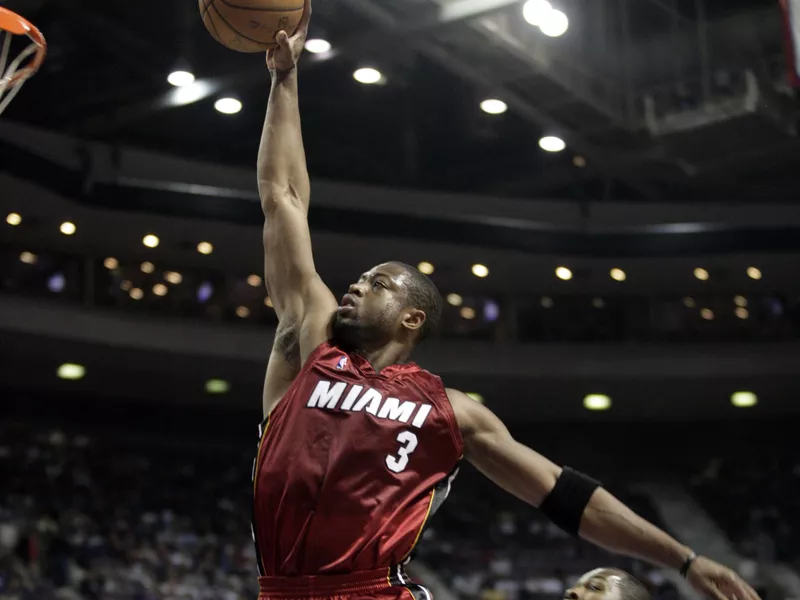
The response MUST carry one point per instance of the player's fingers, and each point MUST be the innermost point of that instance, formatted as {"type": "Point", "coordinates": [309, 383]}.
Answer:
{"type": "Point", "coordinates": [282, 39]}
{"type": "Point", "coordinates": [303, 25]}
{"type": "Point", "coordinates": [744, 590]}
{"type": "Point", "coordinates": [714, 593]}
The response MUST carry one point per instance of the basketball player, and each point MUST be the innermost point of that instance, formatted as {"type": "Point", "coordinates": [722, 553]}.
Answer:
{"type": "Point", "coordinates": [359, 446]}
{"type": "Point", "coordinates": [607, 584]}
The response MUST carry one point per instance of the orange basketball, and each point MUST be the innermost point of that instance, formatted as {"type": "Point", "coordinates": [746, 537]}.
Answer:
{"type": "Point", "coordinates": [250, 25]}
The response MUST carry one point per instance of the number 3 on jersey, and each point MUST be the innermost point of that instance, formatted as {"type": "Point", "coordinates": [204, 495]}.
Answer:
{"type": "Point", "coordinates": [408, 443]}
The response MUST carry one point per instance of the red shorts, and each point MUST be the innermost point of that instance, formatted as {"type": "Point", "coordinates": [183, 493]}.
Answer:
{"type": "Point", "coordinates": [382, 584]}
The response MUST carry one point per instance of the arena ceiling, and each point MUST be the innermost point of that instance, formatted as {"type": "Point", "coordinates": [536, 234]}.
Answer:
{"type": "Point", "coordinates": [662, 99]}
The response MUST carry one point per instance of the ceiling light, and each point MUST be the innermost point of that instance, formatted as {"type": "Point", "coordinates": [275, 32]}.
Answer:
{"type": "Point", "coordinates": [160, 289]}
{"type": "Point", "coordinates": [563, 273]}
{"type": "Point", "coordinates": [204, 292]}
{"type": "Point", "coordinates": [480, 270]}
{"type": "Point", "coordinates": [707, 314]}
{"type": "Point", "coordinates": [228, 106]}
{"type": "Point", "coordinates": [318, 46]}
{"type": "Point", "coordinates": [554, 23]}
{"type": "Point", "coordinates": [597, 402]}
{"type": "Point", "coordinates": [13, 219]}
{"type": "Point", "coordinates": [744, 399]}
{"type": "Point", "coordinates": [180, 78]}
{"type": "Point", "coordinates": [454, 299]}
{"type": "Point", "coordinates": [367, 75]}
{"type": "Point", "coordinates": [701, 274]}
{"type": "Point", "coordinates": [29, 258]}
{"type": "Point", "coordinates": [217, 386]}
{"type": "Point", "coordinates": [150, 240]}
{"type": "Point", "coordinates": [254, 280]}
{"type": "Point", "coordinates": [534, 11]}
{"type": "Point", "coordinates": [242, 312]}
{"type": "Point", "coordinates": [56, 282]}
{"type": "Point", "coordinates": [740, 301]}
{"type": "Point", "coordinates": [741, 312]}
{"type": "Point", "coordinates": [268, 302]}
{"type": "Point", "coordinates": [618, 275]}
{"type": "Point", "coordinates": [552, 143]}
{"type": "Point", "coordinates": [493, 106]}
{"type": "Point", "coordinates": [67, 228]}
{"type": "Point", "coordinates": [547, 302]}
{"type": "Point", "coordinates": [467, 313]}
{"type": "Point", "coordinates": [71, 371]}
{"type": "Point", "coordinates": [111, 263]}
{"type": "Point", "coordinates": [689, 302]}
{"type": "Point", "coordinates": [491, 311]}
{"type": "Point", "coordinates": [753, 273]}
{"type": "Point", "coordinates": [147, 267]}
{"type": "Point", "coordinates": [136, 294]}
{"type": "Point", "coordinates": [477, 397]}
{"type": "Point", "coordinates": [425, 268]}
{"type": "Point", "coordinates": [205, 248]}
{"type": "Point", "coordinates": [173, 277]}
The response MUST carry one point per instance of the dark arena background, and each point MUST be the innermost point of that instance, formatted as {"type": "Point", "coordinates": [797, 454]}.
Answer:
{"type": "Point", "coordinates": [609, 200]}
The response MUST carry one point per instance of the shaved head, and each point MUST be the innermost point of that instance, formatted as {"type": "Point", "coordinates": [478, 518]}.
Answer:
{"type": "Point", "coordinates": [608, 584]}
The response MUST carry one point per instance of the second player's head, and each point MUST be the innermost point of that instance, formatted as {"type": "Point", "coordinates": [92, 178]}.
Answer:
{"type": "Point", "coordinates": [392, 302]}
{"type": "Point", "coordinates": [607, 584]}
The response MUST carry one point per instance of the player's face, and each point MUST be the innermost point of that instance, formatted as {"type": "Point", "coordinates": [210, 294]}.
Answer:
{"type": "Point", "coordinates": [600, 584]}
{"type": "Point", "coordinates": [372, 311]}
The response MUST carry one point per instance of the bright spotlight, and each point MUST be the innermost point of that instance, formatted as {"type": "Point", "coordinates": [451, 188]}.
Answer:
{"type": "Point", "coordinates": [217, 386]}
{"type": "Point", "coordinates": [173, 277]}
{"type": "Point", "coordinates": [744, 399]}
{"type": "Point", "coordinates": [180, 78]}
{"type": "Point", "coordinates": [150, 240]}
{"type": "Point", "coordinates": [67, 228]}
{"type": "Point", "coordinates": [563, 273]}
{"type": "Point", "coordinates": [71, 371]}
{"type": "Point", "coordinates": [13, 219]}
{"type": "Point", "coordinates": [618, 275]}
{"type": "Point", "coordinates": [597, 402]}
{"type": "Point", "coordinates": [534, 11]}
{"type": "Point", "coordinates": [111, 263]}
{"type": "Point", "coordinates": [205, 248]}
{"type": "Point", "coordinates": [191, 93]}
{"type": "Point", "coordinates": [454, 299]}
{"type": "Point", "coordinates": [701, 274]}
{"type": "Point", "coordinates": [493, 106]}
{"type": "Point", "coordinates": [367, 75]}
{"type": "Point", "coordinates": [228, 106]}
{"type": "Point", "coordinates": [551, 143]}
{"type": "Point", "coordinates": [254, 280]}
{"type": "Point", "coordinates": [554, 24]}
{"type": "Point", "coordinates": [480, 270]}
{"type": "Point", "coordinates": [753, 273]}
{"type": "Point", "coordinates": [29, 258]}
{"type": "Point", "coordinates": [425, 268]}
{"type": "Point", "coordinates": [160, 289]}
{"type": "Point", "coordinates": [318, 46]}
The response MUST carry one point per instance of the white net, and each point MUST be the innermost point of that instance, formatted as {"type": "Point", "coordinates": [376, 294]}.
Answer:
{"type": "Point", "coordinates": [14, 72]}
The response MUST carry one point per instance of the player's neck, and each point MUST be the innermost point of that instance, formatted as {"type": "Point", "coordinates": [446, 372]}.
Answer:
{"type": "Point", "coordinates": [388, 354]}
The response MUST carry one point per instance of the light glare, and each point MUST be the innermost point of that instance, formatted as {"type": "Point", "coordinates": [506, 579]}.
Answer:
{"type": "Point", "coordinates": [29, 258]}
{"type": "Point", "coordinates": [147, 267]}
{"type": "Point", "coordinates": [425, 268]}
{"type": "Point", "coordinates": [217, 386]}
{"type": "Point", "coordinates": [71, 371]}
{"type": "Point", "coordinates": [493, 106]}
{"type": "Point", "coordinates": [480, 270]}
{"type": "Point", "coordinates": [228, 106]}
{"type": "Point", "coordinates": [67, 228]}
{"type": "Point", "coordinates": [254, 280]}
{"type": "Point", "coordinates": [367, 75]}
{"type": "Point", "coordinates": [467, 313]}
{"type": "Point", "coordinates": [534, 11]}
{"type": "Point", "coordinates": [173, 277]}
{"type": "Point", "coordinates": [318, 46]}
{"type": "Point", "coordinates": [597, 402]}
{"type": "Point", "coordinates": [552, 143]}
{"type": "Point", "coordinates": [150, 240]}
{"type": "Point", "coordinates": [111, 263]}
{"type": "Point", "coordinates": [744, 399]}
{"type": "Point", "coordinates": [180, 78]}
{"type": "Point", "coordinates": [454, 299]}
{"type": "Point", "coordinates": [753, 273]}
{"type": "Point", "coordinates": [554, 23]}
{"type": "Point", "coordinates": [618, 275]}
{"type": "Point", "coordinates": [13, 219]}
{"type": "Point", "coordinates": [563, 273]}
{"type": "Point", "coordinates": [701, 274]}
{"type": "Point", "coordinates": [205, 248]}
{"type": "Point", "coordinates": [160, 289]}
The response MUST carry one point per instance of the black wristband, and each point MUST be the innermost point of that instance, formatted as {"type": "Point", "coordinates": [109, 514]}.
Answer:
{"type": "Point", "coordinates": [688, 565]}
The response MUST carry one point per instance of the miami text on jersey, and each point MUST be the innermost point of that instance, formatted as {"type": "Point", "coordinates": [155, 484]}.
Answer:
{"type": "Point", "coordinates": [358, 398]}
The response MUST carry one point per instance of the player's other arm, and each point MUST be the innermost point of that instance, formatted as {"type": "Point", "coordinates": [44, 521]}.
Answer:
{"type": "Point", "coordinates": [303, 303]}
{"type": "Point", "coordinates": [580, 506]}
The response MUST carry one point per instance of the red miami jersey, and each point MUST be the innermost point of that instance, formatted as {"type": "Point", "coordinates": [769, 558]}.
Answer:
{"type": "Point", "coordinates": [351, 465]}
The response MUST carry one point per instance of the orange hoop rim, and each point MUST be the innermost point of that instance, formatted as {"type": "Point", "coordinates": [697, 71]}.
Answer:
{"type": "Point", "coordinates": [17, 25]}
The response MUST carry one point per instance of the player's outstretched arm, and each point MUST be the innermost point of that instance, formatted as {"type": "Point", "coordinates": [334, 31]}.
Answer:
{"type": "Point", "coordinates": [303, 303]}
{"type": "Point", "coordinates": [579, 505]}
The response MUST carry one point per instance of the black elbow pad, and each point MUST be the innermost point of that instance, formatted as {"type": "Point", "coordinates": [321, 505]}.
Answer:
{"type": "Point", "coordinates": [565, 504]}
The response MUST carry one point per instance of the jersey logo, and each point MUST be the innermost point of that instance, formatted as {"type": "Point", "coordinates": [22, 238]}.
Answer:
{"type": "Point", "coordinates": [342, 363]}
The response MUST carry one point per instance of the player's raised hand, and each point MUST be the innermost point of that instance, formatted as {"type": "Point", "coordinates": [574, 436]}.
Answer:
{"type": "Point", "coordinates": [716, 582]}
{"type": "Point", "coordinates": [285, 56]}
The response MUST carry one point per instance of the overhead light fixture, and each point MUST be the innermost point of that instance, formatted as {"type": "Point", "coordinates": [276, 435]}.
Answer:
{"type": "Point", "coordinates": [217, 386]}
{"type": "Point", "coordinates": [563, 273]}
{"type": "Point", "coordinates": [136, 293]}
{"type": "Point", "coordinates": [554, 23]}
{"type": "Point", "coordinates": [368, 75]}
{"type": "Point", "coordinates": [67, 228]}
{"type": "Point", "coordinates": [701, 274]}
{"type": "Point", "coordinates": [534, 11]}
{"type": "Point", "coordinates": [476, 397]}
{"type": "Point", "coordinates": [204, 292]}
{"type": "Point", "coordinates": [191, 93]}
{"type": "Point", "coordinates": [56, 282]}
{"type": "Point", "coordinates": [173, 277]}
{"type": "Point", "coordinates": [753, 273]}
{"type": "Point", "coordinates": [318, 46]}
{"type": "Point", "coordinates": [180, 78]}
{"type": "Point", "coordinates": [551, 143]}
{"type": "Point", "coordinates": [491, 311]}
{"type": "Point", "coordinates": [480, 270]}
{"type": "Point", "coordinates": [71, 371]}
{"type": "Point", "coordinates": [467, 313]}
{"type": "Point", "coordinates": [740, 301]}
{"type": "Point", "coordinates": [147, 267]}
{"type": "Point", "coordinates": [111, 263]}
{"type": "Point", "coordinates": [254, 280]}
{"type": "Point", "coordinates": [29, 258]}
{"type": "Point", "coordinates": [454, 300]}
{"type": "Point", "coordinates": [618, 275]}
{"type": "Point", "coordinates": [744, 399]}
{"type": "Point", "coordinates": [13, 219]}
{"type": "Point", "coordinates": [205, 248]}
{"type": "Point", "coordinates": [597, 402]}
{"type": "Point", "coordinates": [493, 106]}
{"type": "Point", "coordinates": [425, 268]}
{"type": "Point", "coordinates": [228, 106]}
{"type": "Point", "coordinates": [707, 314]}
{"type": "Point", "coordinates": [242, 312]}
{"type": "Point", "coordinates": [160, 289]}
{"type": "Point", "coordinates": [150, 240]}
{"type": "Point", "coordinates": [741, 313]}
